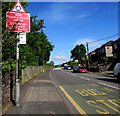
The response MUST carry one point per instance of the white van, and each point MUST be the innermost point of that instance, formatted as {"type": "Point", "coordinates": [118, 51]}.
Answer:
{"type": "Point", "coordinates": [116, 70]}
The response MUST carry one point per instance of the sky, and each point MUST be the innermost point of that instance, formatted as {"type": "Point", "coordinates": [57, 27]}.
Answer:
{"type": "Point", "coordinates": [71, 23]}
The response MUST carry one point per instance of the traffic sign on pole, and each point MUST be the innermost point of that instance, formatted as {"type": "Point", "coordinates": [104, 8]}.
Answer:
{"type": "Point", "coordinates": [22, 38]}
{"type": "Point", "coordinates": [18, 22]}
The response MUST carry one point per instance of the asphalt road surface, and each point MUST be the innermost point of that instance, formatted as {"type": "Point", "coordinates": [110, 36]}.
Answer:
{"type": "Point", "coordinates": [89, 93]}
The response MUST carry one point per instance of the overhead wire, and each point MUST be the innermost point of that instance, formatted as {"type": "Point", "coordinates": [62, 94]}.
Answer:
{"type": "Point", "coordinates": [104, 38]}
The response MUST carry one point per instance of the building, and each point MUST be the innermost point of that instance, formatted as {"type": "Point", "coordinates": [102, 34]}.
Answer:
{"type": "Point", "coordinates": [92, 55]}
{"type": "Point", "coordinates": [116, 48]}
{"type": "Point", "coordinates": [106, 50]}
{"type": "Point", "coordinates": [108, 54]}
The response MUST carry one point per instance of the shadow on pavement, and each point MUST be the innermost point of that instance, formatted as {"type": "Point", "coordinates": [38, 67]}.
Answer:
{"type": "Point", "coordinates": [114, 80]}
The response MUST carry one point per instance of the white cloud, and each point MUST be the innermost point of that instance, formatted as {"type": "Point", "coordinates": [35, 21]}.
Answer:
{"type": "Point", "coordinates": [83, 16]}
{"type": "Point", "coordinates": [60, 12]}
{"type": "Point", "coordinates": [62, 58]}
{"type": "Point", "coordinates": [82, 41]}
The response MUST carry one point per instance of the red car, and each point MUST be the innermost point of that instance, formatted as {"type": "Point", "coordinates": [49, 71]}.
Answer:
{"type": "Point", "coordinates": [82, 69]}
{"type": "Point", "coordinates": [79, 69]}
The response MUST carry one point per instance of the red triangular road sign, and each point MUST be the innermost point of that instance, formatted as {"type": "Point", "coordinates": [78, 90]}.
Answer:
{"type": "Point", "coordinates": [18, 8]}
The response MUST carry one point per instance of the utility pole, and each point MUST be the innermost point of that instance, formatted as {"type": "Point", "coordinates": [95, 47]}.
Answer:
{"type": "Point", "coordinates": [88, 55]}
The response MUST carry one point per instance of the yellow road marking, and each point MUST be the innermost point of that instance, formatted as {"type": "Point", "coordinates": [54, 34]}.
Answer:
{"type": "Point", "coordinates": [107, 89]}
{"type": "Point", "coordinates": [80, 110]}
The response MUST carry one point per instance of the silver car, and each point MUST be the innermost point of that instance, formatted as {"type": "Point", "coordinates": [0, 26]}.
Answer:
{"type": "Point", "coordinates": [116, 71]}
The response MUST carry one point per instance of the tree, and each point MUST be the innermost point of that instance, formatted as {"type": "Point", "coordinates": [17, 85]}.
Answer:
{"type": "Point", "coordinates": [51, 63]}
{"type": "Point", "coordinates": [78, 53]}
{"type": "Point", "coordinates": [37, 50]}
{"type": "Point", "coordinates": [104, 60]}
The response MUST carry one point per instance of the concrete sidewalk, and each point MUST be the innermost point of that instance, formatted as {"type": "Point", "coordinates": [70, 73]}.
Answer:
{"type": "Point", "coordinates": [104, 73]}
{"type": "Point", "coordinates": [40, 96]}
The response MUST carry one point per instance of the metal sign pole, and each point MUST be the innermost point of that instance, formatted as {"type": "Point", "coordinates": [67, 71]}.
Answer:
{"type": "Point", "coordinates": [17, 100]}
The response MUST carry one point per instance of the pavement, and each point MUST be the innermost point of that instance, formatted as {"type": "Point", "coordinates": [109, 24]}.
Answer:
{"type": "Point", "coordinates": [40, 96]}
{"type": "Point", "coordinates": [104, 73]}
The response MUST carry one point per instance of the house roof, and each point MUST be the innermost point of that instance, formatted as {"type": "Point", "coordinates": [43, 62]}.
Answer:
{"type": "Point", "coordinates": [108, 43]}
{"type": "Point", "coordinates": [96, 49]}
{"type": "Point", "coordinates": [118, 40]}
{"type": "Point", "coordinates": [93, 51]}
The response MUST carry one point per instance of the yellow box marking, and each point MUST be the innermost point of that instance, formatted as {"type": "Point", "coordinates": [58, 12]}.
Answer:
{"type": "Point", "coordinates": [107, 89]}
{"type": "Point", "coordinates": [113, 101]}
{"type": "Point", "coordinates": [79, 109]}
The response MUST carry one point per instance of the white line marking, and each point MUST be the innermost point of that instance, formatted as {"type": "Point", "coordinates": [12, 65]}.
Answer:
{"type": "Point", "coordinates": [73, 75]}
{"type": "Point", "coordinates": [79, 77]}
{"type": "Point", "coordinates": [67, 72]}
{"type": "Point", "coordinates": [57, 69]}
{"type": "Point", "coordinates": [84, 78]}
{"type": "Point", "coordinates": [108, 85]}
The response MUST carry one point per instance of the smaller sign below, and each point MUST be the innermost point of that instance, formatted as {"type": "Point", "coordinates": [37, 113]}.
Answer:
{"type": "Point", "coordinates": [22, 38]}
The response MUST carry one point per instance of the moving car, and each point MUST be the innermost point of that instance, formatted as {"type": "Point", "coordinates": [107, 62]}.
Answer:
{"type": "Point", "coordinates": [116, 71]}
{"type": "Point", "coordinates": [79, 69]}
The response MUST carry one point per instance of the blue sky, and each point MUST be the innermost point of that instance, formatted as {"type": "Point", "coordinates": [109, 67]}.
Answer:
{"type": "Point", "coordinates": [71, 23]}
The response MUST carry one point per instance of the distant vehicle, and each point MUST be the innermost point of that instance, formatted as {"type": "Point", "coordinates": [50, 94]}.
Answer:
{"type": "Point", "coordinates": [79, 69]}
{"type": "Point", "coordinates": [116, 71]}
{"type": "Point", "coordinates": [57, 65]}
{"type": "Point", "coordinates": [68, 67]}
{"type": "Point", "coordinates": [75, 69]}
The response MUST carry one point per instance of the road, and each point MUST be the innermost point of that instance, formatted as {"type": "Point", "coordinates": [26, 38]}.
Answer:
{"type": "Point", "coordinates": [89, 93]}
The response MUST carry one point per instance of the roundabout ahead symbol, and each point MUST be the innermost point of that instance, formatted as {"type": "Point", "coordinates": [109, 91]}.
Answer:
{"type": "Point", "coordinates": [18, 8]}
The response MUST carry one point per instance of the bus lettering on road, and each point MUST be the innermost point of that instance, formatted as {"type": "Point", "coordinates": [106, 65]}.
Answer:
{"type": "Point", "coordinates": [89, 92]}
{"type": "Point", "coordinates": [102, 110]}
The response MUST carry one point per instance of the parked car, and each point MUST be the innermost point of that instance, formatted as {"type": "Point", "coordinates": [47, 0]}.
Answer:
{"type": "Point", "coordinates": [68, 67]}
{"type": "Point", "coordinates": [75, 69]}
{"type": "Point", "coordinates": [79, 69]}
{"type": "Point", "coordinates": [116, 71]}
